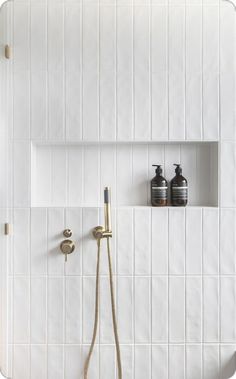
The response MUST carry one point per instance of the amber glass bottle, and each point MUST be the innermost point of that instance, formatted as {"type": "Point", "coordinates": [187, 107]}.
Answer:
{"type": "Point", "coordinates": [179, 188]}
{"type": "Point", "coordinates": [159, 189]}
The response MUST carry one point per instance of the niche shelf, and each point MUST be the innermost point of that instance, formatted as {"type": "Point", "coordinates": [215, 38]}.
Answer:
{"type": "Point", "coordinates": [73, 175]}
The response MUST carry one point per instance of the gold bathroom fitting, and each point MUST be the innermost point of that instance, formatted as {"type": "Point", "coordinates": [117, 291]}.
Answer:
{"type": "Point", "coordinates": [67, 233]}
{"type": "Point", "coordinates": [105, 231]}
{"type": "Point", "coordinates": [7, 52]}
{"type": "Point", "coordinates": [67, 246]}
{"type": "Point", "coordinates": [6, 229]}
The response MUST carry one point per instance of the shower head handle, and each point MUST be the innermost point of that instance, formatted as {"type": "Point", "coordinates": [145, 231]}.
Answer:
{"type": "Point", "coordinates": [107, 209]}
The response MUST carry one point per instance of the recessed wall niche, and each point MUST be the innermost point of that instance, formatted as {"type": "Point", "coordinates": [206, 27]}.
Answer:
{"type": "Point", "coordinates": [74, 174]}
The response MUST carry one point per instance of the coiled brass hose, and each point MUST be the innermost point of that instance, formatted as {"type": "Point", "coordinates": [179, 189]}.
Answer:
{"type": "Point", "coordinates": [119, 366]}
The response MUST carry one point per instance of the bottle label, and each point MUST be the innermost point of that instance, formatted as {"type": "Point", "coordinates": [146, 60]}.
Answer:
{"type": "Point", "coordinates": [159, 193]}
{"type": "Point", "coordinates": [179, 193]}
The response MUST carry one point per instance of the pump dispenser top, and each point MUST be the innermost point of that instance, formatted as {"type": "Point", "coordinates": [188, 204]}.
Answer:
{"type": "Point", "coordinates": [158, 168]}
{"type": "Point", "coordinates": [178, 169]}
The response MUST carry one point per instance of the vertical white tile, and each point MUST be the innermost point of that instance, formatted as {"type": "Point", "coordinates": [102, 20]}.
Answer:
{"type": "Point", "coordinates": [55, 310]}
{"type": "Point", "coordinates": [55, 362]}
{"type": "Point", "coordinates": [21, 35]}
{"type": "Point", "coordinates": [227, 77]}
{"type": "Point", "coordinates": [210, 309]}
{"type": "Point", "coordinates": [193, 362]}
{"type": "Point", "coordinates": [75, 182]}
{"type": "Point", "coordinates": [21, 359]}
{"type": "Point", "coordinates": [193, 72]}
{"type": "Point", "coordinates": [55, 106]}
{"type": "Point", "coordinates": [193, 241]}
{"type": "Point", "coordinates": [142, 310]}
{"type": "Point", "coordinates": [38, 100]}
{"type": "Point", "coordinates": [159, 241]}
{"type": "Point", "coordinates": [21, 310]}
{"type": "Point", "coordinates": [210, 241]}
{"type": "Point", "coordinates": [73, 221]}
{"type": "Point", "coordinates": [38, 310]}
{"type": "Point", "coordinates": [176, 309]}
{"type": "Point", "coordinates": [107, 362]}
{"type": "Point", "coordinates": [159, 361]}
{"type": "Point", "coordinates": [91, 175]}
{"type": "Point", "coordinates": [227, 176]}
{"type": "Point", "coordinates": [211, 361]}
{"type": "Point", "coordinates": [204, 194]}
{"type": "Point", "coordinates": [125, 303]}
{"type": "Point", "coordinates": [38, 361]}
{"type": "Point", "coordinates": [227, 305]}
{"type": "Point", "coordinates": [90, 220]}
{"type": "Point", "coordinates": [39, 251]}
{"type": "Point", "coordinates": [41, 176]}
{"type": "Point", "coordinates": [176, 362]}
{"type": "Point", "coordinates": [107, 72]}
{"type": "Point", "coordinates": [210, 72]}
{"type": "Point", "coordinates": [227, 241]}
{"type": "Point", "coordinates": [124, 242]}
{"type": "Point", "coordinates": [194, 309]}
{"type": "Point", "coordinates": [127, 356]}
{"type": "Point", "coordinates": [21, 175]}
{"type": "Point", "coordinates": [142, 362]}
{"type": "Point", "coordinates": [88, 309]}
{"type": "Point", "coordinates": [90, 72]}
{"type": "Point", "coordinates": [38, 36]}
{"type": "Point", "coordinates": [73, 361]}
{"type": "Point", "coordinates": [21, 241]}
{"type": "Point", "coordinates": [141, 185]}
{"type": "Point", "coordinates": [177, 241]}
{"type": "Point", "coordinates": [55, 236]}
{"type": "Point", "coordinates": [21, 111]}
{"type": "Point", "coordinates": [124, 177]}
{"type": "Point", "coordinates": [142, 73]}
{"type": "Point", "coordinates": [55, 73]}
{"type": "Point", "coordinates": [58, 182]}
{"type": "Point", "coordinates": [176, 73]}
{"type": "Point", "coordinates": [159, 309]}
{"type": "Point", "coordinates": [159, 74]}
{"type": "Point", "coordinates": [73, 71]}
{"type": "Point", "coordinates": [189, 165]}
{"type": "Point", "coordinates": [106, 327]}
{"type": "Point", "coordinates": [124, 73]}
{"type": "Point", "coordinates": [73, 310]}
{"type": "Point", "coordinates": [142, 248]}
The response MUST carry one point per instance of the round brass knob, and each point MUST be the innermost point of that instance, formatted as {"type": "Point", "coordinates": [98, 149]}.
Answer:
{"type": "Point", "coordinates": [67, 247]}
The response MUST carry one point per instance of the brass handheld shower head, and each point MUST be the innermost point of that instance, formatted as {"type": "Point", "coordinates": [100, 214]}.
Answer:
{"type": "Point", "coordinates": [105, 231]}
{"type": "Point", "coordinates": [107, 209]}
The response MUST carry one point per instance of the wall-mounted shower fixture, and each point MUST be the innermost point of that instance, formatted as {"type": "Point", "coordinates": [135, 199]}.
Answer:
{"type": "Point", "coordinates": [105, 231]}
{"type": "Point", "coordinates": [67, 246]}
{"type": "Point", "coordinates": [100, 232]}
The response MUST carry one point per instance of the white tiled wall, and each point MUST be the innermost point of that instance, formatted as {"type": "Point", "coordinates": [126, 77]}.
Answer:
{"type": "Point", "coordinates": [128, 73]}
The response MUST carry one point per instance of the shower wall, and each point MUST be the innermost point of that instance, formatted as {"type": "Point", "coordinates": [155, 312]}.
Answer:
{"type": "Point", "coordinates": [96, 92]}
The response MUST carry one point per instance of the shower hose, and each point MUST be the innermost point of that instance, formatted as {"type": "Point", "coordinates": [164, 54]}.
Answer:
{"type": "Point", "coordinates": [86, 366]}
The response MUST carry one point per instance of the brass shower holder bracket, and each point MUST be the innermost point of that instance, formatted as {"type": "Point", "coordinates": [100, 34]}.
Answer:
{"type": "Point", "coordinates": [100, 232]}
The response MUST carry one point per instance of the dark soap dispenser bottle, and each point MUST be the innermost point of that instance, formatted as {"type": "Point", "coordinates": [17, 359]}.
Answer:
{"type": "Point", "coordinates": [179, 188]}
{"type": "Point", "coordinates": [159, 189]}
